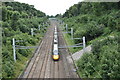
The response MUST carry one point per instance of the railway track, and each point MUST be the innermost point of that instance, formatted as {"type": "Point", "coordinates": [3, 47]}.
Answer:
{"type": "Point", "coordinates": [42, 65]}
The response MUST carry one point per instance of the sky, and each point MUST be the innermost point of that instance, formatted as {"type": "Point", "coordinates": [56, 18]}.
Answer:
{"type": "Point", "coordinates": [51, 7]}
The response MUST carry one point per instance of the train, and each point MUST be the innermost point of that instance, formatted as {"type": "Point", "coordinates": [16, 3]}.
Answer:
{"type": "Point", "coordinates": [55, 53]}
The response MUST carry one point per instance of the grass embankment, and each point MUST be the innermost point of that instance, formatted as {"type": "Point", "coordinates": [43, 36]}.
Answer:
{"type": "Point", "coordinates": [100, 24]}
{"type": "Point", "coordinates": [103, 56]}
{"type": "Point", "coordinates": [103, 60]}
{"type": "Point", "coordinates": [19, 21]}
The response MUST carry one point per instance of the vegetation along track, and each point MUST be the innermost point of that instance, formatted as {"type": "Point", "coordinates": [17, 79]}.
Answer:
{"type": "Point", "coordinates": [42, 64]}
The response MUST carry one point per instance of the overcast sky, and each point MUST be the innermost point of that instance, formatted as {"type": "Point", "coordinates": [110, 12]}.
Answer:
{"type": "Point", "coordinates": [51, 7]}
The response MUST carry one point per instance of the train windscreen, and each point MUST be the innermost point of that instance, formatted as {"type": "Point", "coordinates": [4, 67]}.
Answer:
{"type": "Point", "coordinates": [55, 52]}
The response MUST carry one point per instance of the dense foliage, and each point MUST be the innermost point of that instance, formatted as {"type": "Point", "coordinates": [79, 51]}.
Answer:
{"type": "Point", "coordinates": [100, 23]}
{"type": "Point", "coordinates": [17, 21]}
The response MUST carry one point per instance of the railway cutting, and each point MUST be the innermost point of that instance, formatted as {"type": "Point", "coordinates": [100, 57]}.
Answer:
{"type": "Point", "coordinates": [42, 64]}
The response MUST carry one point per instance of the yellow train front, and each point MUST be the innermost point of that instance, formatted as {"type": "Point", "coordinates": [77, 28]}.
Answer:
{"type": "Point", "coordinates": [56, 57]}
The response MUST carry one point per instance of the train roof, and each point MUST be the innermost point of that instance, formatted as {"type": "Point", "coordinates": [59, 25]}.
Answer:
{"type": "Point", "coordinates": [55, 46]}
{"type": "Point", "coordinates": [55, 49]}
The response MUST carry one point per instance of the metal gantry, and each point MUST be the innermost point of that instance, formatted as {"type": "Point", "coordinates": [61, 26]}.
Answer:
{"type": "Point", "coordinates": [39, 27]}
{"type": "Point", "coordinates": [14, 53]}
{"type": "Point", "coordinates": [71, 33]}
{"type": "Point", "coordinates": [24, 47]}
{"type": "Point", "coordinates": [66, 28]}
{"type": "Point", "coordinates": [76, 45]}
{"type": "Point", "coordinates": [19, 47]}
{"type": "Point", "coordinates": [32, 31]}
{"type": "Point", "coordinates": [83, 44]}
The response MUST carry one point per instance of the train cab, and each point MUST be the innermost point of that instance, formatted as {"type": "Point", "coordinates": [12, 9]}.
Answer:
{"type": "Point", "coordinates": [55, 55]}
